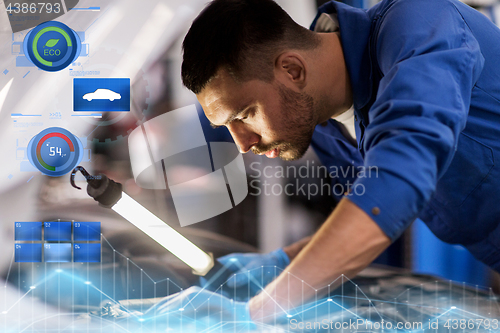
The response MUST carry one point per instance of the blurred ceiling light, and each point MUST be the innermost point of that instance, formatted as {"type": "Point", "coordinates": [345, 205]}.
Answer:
{"type": "Point", "coordinates": [145, 41]}
{"type": "Point", "coordinates": [103, 27]}
{"type": "Point", "coordinates": [4, 92]}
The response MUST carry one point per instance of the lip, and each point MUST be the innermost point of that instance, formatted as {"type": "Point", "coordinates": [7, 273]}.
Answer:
{"type": "Point", "coordinates": [273, 153]}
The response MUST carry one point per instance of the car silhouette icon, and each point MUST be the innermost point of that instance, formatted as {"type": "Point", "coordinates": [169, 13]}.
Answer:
{"type": "Point", "coordinates": [102, 94]}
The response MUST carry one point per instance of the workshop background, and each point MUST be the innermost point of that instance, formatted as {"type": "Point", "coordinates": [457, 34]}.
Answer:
{"type": "Point", "coordinates": [268, 222]}
{"type": "Point", "coordinates": [265, 220]}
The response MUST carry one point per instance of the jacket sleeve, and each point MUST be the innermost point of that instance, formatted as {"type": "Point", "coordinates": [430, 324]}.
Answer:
{"type": "Point", "coordinates": [430, 62]}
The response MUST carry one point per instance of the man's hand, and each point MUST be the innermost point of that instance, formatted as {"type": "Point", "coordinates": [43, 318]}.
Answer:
{"type": "Point", "coordinates": [197, 309]}
{"type": "Point", "coordinates": [347, 242]}
{"type": "Point", "coordinates": [201, 308]}
{"type": "Point", "coordinates": [253, 271]}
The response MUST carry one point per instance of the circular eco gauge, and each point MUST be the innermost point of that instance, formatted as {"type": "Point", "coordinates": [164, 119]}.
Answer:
{"type": "Point", "coordinates": [52, 46]}
{"type": "Point", "coordinates": [55, 151]}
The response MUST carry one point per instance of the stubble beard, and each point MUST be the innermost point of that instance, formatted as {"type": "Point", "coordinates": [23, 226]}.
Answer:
{"type": "Point", "coordinates": [297, 113]}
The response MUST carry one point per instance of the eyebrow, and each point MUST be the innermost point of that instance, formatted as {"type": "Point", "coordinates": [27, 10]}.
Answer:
{"type": "Point", "coordinates": [231, 117]}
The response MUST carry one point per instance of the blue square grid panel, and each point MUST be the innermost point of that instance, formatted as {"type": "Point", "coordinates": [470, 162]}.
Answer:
{"type": "Point", "coordinates": [57, 231]}
{"type": "Point", "coordinates": [87, 231]}
{"type": "Point", "coordinates": [101, 94]}
{"type": "Point", "coordinates": [28, 231]}
{"type": "Point", "coordinates": [87, 252]}
{"type": "Point", "coordinates": [57, 252]}
{"type": "Point", "coordinates": [28, 252]}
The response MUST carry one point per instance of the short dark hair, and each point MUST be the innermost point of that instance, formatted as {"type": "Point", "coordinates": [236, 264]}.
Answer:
{"type": "Point", "coordinates": [242, 36]}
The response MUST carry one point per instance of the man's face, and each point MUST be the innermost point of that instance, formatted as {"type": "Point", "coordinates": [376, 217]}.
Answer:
{"type": "Point", "coordinates": [267, 118]}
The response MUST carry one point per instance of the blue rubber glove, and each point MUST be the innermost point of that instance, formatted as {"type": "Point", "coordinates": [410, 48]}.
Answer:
{"type": "Point", "coordinates": [201, 309]}
{"type": "Point", "coordinates": [252, 271]}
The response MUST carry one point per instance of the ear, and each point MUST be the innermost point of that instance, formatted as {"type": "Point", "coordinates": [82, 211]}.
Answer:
{"type": "Point", "coordinates": [291, 67]}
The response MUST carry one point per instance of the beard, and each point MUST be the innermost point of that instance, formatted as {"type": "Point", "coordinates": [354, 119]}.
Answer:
{"type": "Point", "coordinates": [297, 125]}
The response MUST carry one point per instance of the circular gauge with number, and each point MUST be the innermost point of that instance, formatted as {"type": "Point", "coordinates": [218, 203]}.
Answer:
{"type": "Point", "coordinates": [52, 46]}
{"type": "Point", "coordinates": [55, 151]}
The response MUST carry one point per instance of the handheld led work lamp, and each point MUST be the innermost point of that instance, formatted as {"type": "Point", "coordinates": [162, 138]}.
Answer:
{"type": "Point", "coordinates": [109, 194]}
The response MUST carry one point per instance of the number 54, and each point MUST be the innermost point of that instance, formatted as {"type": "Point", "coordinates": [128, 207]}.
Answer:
{"type": "Point", "coordinates": [55, 150]}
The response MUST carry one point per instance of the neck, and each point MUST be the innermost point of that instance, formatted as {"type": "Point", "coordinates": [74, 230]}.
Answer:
{"type": "Point", "coordinates": [332, 88]}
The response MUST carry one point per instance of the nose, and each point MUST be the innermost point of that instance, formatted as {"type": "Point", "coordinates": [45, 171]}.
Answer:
{"type": "Point", "coordinates": [243, 137]}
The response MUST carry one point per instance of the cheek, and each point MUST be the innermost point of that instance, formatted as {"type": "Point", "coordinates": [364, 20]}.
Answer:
{"type": "Point", "coordinates": [272, 118]}
{"type": "Point", "coordinates": [270, 126]}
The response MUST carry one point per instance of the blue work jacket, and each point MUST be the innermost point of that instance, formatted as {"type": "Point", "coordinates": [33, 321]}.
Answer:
{"type": "Point", "coordinates": [425, 76]}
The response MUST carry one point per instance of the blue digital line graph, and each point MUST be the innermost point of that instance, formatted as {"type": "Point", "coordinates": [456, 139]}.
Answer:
{"type": "Point", "coordinates": [435, 302]}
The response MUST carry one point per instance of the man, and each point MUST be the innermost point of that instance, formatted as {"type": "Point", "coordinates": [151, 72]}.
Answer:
{"type": "Point", "coordinates": [423, 78]}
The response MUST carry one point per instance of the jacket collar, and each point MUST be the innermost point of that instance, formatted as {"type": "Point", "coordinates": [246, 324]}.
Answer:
{"type": "Point", "coordinates": [355, 27]}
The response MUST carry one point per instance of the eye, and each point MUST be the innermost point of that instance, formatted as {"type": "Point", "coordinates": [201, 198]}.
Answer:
{"type": "Point", "coordinates": [247, 114]}
{"type": "Point", "coordinates": [241, 118]}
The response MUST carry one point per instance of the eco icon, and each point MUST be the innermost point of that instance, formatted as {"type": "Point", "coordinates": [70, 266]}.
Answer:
{"type": "Point", "coordinates": [52, 46]}
{"type": "Point", "coordinates": [51, 42]}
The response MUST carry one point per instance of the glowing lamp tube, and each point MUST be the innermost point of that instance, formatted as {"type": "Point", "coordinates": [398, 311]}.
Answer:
{"type": "Point", "coordinates": [165, 235]}
{"type": "Point", "coordinates": [109, 194]}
